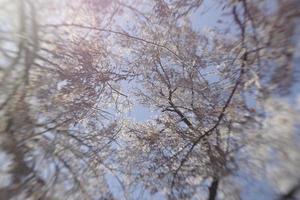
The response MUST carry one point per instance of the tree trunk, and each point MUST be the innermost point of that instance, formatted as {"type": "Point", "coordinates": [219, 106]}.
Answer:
{"type": "Point", "coordinates": [213, 189]}
{"type": "Point", "coordinates": [291, 194]}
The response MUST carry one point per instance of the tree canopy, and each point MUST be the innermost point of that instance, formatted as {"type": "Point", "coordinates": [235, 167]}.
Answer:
{"type": "Point", "coordinates": [223, 99]}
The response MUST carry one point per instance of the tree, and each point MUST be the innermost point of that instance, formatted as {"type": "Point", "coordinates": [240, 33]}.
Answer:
{"type": "Point", "coordinates": [55, 95]}
{"type": "Point", "coordinates": [71, 70]}
{"type": "Point", "coordinates": [198, 85]}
